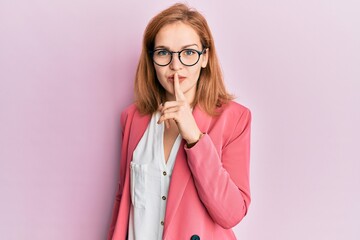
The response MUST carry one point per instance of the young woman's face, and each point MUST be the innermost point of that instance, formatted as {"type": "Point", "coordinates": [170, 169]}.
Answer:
{"type": "Point", "coordinates": [176, 37]}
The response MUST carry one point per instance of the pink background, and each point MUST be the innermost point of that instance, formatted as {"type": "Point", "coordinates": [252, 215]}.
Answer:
{"type": "Point", "coordinates": [66, 72]}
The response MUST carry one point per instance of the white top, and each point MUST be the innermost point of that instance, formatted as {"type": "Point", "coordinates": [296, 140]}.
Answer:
{"type": "Point", "coordinates": [150, 180]}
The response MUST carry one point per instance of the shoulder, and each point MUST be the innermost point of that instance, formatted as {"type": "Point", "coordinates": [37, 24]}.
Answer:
{"type": "Point", "coordinates": [234, 110]}
{"type": "Point", "coordinates": [231, 121]}
{"type": "Point", "coordinates": [236, 117]}
{"type": "Point", "coordinates": [129, 110]}
{"type": "Point", "coordinates": [128, 113]}
{"type": "Point", "coordinates": [131, 113]}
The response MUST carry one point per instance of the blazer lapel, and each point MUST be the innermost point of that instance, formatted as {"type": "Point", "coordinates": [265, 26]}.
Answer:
{"type": "Point", "coordinates": [202, 119]}
{"type": "Point", "coordinates": [181, 173]}
{"type": "Point", "coordinates": [138, 127]}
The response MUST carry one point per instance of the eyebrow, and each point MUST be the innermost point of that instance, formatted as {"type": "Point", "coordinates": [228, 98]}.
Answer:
{"type": "Point", "coordinates": [183, 47]}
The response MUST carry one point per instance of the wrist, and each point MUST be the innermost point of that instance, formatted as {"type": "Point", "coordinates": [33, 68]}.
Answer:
{"type": "Point", "coordinates": [190, 144]}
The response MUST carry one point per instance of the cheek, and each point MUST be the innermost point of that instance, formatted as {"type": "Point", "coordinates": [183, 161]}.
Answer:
{"type": "Point", "coordinates": [160, 71]}
{"type": "Point", "coordinates": [195, 73]}
{"type": "Point", "coordinates": [160, 75]}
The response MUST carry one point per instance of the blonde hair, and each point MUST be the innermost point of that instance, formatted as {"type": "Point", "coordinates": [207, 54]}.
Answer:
{"type": "Point", "coordinates": [210, 92]}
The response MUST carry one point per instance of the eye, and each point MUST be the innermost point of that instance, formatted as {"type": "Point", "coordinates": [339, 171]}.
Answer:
{"type": "Point", "coordinates": [162, 52]}
{"type": "Point", "coordinates": [189, 52]}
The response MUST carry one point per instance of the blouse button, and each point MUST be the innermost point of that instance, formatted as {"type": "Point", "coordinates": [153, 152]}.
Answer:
{"type": "Point", "coordinates": [163, 198]}
{"type": "Point", "coordinates": [162, 223]}
{"type": "Point", "coordinates": [164, 173]}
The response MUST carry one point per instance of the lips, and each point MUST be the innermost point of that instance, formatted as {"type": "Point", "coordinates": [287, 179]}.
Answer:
{"type": "Point", "coordinates": [171, 78]}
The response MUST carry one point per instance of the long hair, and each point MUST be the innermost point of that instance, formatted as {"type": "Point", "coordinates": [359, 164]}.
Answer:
{"type": "Point", "coordinates": [210, 91]}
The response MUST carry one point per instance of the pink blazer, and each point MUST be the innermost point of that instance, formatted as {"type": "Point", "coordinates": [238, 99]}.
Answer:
{"type": "Point", "coordinates": [209, 190]}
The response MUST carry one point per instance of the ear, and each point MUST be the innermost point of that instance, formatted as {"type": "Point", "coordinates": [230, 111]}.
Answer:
{"type": "Point", "coordinates": [205, 58]}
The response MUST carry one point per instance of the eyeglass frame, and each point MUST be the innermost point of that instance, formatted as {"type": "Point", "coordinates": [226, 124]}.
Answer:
{"type": "Point", "coordinates": [179, 57]}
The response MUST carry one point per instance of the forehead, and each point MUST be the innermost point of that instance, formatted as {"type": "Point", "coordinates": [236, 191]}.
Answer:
{"type": "Point", "coordinates": [176, 35]}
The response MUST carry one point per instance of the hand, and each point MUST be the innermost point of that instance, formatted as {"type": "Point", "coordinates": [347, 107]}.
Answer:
{"type": "Point", "coordinates": [180, 111]}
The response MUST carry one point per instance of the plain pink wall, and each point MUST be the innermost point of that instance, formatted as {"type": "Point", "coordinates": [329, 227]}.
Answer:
{"type": "Point", "coordinates": [66, 72]}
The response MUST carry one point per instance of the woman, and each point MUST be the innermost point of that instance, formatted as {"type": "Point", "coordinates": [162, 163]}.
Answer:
{"type": "Point", "coordinates": [184, 171]}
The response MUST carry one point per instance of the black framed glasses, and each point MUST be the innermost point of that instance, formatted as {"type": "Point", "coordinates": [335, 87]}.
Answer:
{"type": "Point", "coordinates": [188, 57]}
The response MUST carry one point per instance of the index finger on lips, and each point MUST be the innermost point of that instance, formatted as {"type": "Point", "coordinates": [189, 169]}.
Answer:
{"type": "Point", "coordinates": [179, 95]}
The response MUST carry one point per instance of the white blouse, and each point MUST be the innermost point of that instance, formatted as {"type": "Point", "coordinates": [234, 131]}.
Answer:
{"type": "Point", "coordinates": [150, 180]}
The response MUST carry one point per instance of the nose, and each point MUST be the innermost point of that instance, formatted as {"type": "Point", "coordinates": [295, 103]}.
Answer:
{"type": "Point", "coordinates": [175, 63]}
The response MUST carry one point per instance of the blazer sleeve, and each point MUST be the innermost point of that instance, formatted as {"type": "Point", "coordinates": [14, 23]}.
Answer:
{"type": "Point", "coordinates": [222, 176]}
{"type": "Point", "coordinates": [121, 180]}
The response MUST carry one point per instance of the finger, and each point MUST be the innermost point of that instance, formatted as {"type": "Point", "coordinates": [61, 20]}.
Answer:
{"type": "Point", "coordinates": [171, 110]}
{"type": "Point", "coordinates": [171, 105]}
{"type": "Point", "coordinates": [167, 124]}
{"type": "Point", "coordinates": [168, 116]}
{"type": "Point", "coordinates": [179, 95]}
